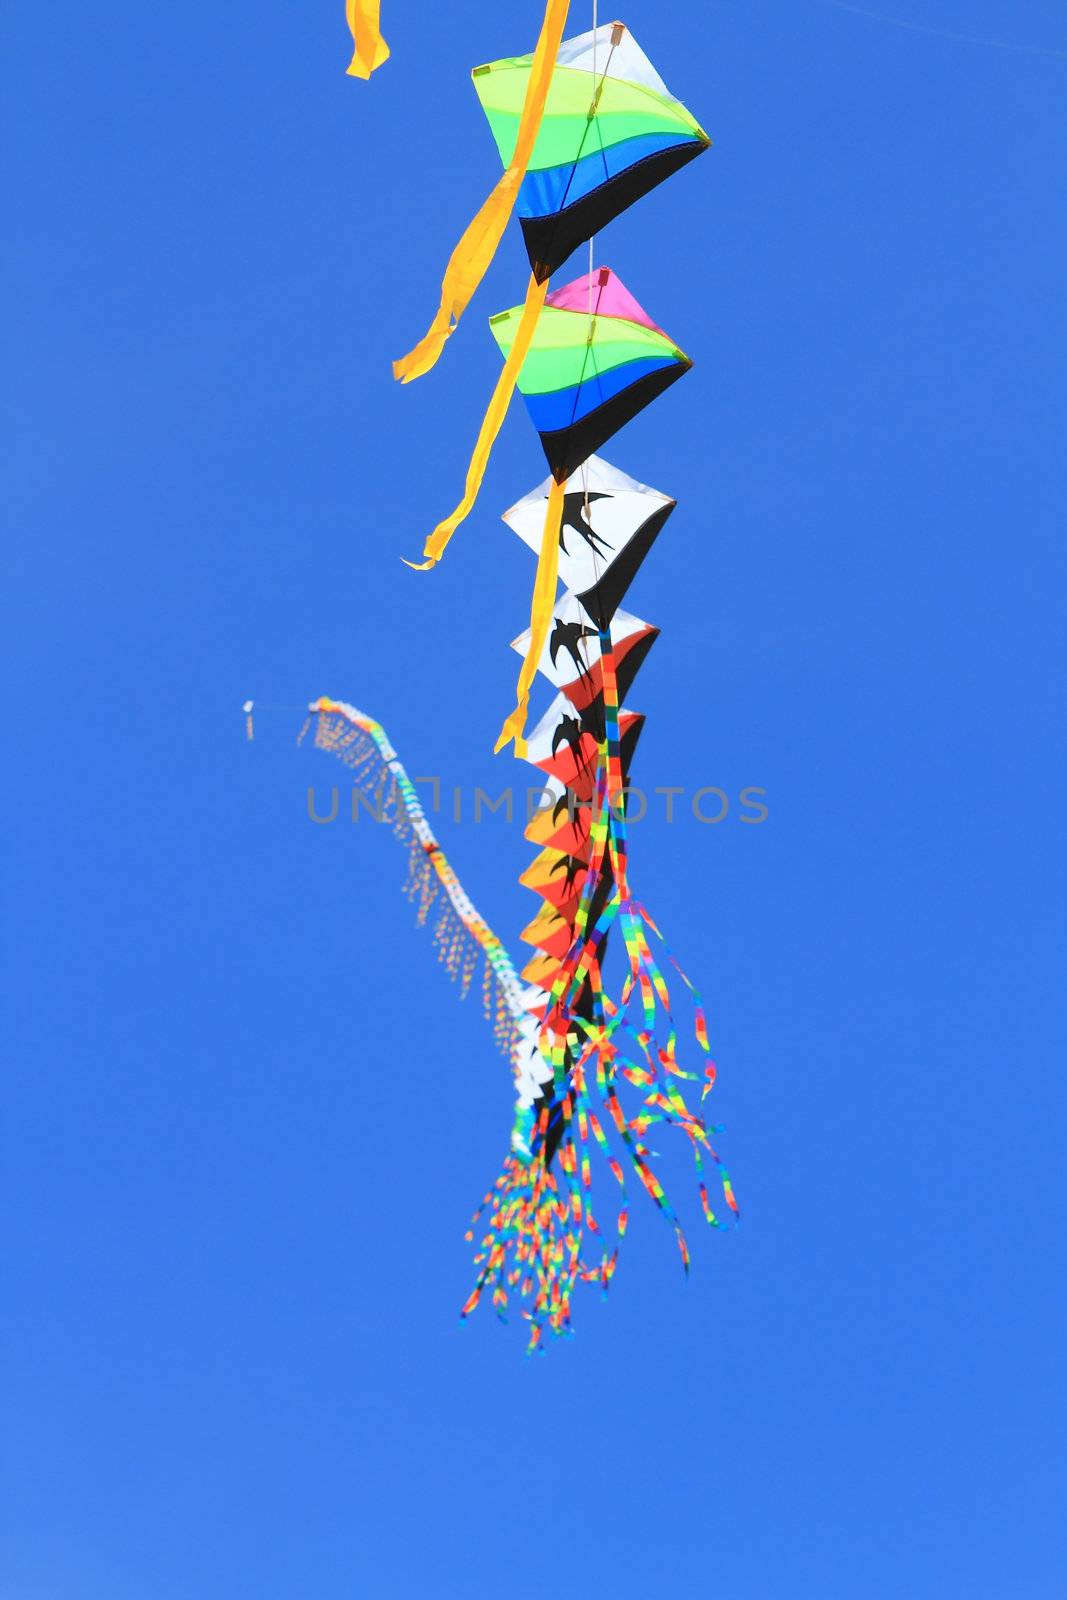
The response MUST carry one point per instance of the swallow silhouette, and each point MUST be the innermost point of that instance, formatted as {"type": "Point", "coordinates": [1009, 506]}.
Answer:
{"type": "Point", "coordinates": [568, 636]}
{"type": "Point", "coordinates": [565, 803]}
{"type": "Point", "coordinates": [568, 731]}
{"type": "Point", "coordinates": [573, 506]}
{"type": "Point", "coordinates": [575, 868]}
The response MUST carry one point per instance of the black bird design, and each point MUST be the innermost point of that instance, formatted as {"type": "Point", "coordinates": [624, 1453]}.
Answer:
{"type": "Point", "coordinates": [568, 636]}
{"type": "Point", "coordinates": [573, 506]}
{"type": "Point", "coordinates": [569, 805]}
{"type": "Point", "coordinates": [568, 731]}
{"type": "Point", "coordinates": [576, 869]}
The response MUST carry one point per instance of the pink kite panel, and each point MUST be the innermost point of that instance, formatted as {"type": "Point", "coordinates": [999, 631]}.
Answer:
{"type": "Point", "coordinates": [611, 298]}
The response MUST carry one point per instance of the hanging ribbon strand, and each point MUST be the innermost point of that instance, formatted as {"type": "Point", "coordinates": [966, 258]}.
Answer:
{"type": "Point", "coordinates": [492, 423]}
{"type": "Point", "coordinates": [471, 258]}
{"type": "Point", "coordinates": [544, 598]}
{"type": "Point", "coordinates": [543, 1236]}
{"type": "Point", "coordinates": [371, 49]}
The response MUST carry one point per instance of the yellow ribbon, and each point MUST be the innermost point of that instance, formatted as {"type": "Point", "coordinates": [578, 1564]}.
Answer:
{"type": "Point", "coordinates": [491, 424]}
{"type": "Point", "coordinates": [544, 599]}
{"type": "Point", "coordinates": [473, 254]}
{"type": "Point", "coordinates": [371, 48]}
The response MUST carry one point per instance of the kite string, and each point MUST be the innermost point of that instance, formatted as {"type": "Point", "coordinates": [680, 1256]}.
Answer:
{"type": "Point", "coordinates": [592, 236]}
{"type": "Point", "coordinates": [946, 33]}
{"type": "Point", "coordinates": [545, 583]}
{"type": "Point", "coordinates": [592, 267]}
{"type": "Point", "coordinates": [599, 80]}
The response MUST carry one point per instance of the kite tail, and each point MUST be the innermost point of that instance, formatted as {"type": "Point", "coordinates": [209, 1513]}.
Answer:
{"type": "Point", "coordinates": [471, 258]}
{"type": "Point", "coordinates": [544, 598]}
{"type": "Point", "coordinates": [492, 423]}
{"type": "Point", "coordinates": [616, 1075]}
{"type": "Point", "coordinates": [542, 1237]}
{"type": "Point", "coordinates": [371, 49]}
{"type": "Point", "coordinates": [460, 934]}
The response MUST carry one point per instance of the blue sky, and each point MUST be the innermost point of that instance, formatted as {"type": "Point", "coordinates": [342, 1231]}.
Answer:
{"type": "Point", "coordinates": [247, 1118]}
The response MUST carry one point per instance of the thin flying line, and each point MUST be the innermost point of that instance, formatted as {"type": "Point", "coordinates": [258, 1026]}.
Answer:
{"type": "Point", "coordinates": [945, 33]}
{"type": "Point", "coordinates": [592, 251]}
{"type": "Point", "coordinates": [592, 236]}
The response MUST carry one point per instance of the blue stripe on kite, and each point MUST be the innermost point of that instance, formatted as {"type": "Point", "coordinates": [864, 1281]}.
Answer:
{"type": "Point", "coordinates": [544, 193]}
{"type": "Point", "coordinates": [562, 407]}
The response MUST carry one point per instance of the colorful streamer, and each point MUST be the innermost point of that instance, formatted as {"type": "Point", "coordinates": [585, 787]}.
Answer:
{"type": "Point", "coordinates": [371, 50]}
{"type": "Point", "coordinates": [473, 255]}
{"type": "Point", "coordinates": [493, 421]}
{"type": "Point", "coordinates": [544, 595]}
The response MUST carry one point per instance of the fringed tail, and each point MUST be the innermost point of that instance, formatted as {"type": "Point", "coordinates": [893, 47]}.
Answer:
{"type": "Point", "coordinates": [543, 1236]}
{"type": "Point", "coordinates": [462, 936]}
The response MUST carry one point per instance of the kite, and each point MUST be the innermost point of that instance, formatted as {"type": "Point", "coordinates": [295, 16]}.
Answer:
{"type": "Point", "coordinates": [584, 136]}
{"type": "Point", "coordinates": [595, 360]}
{"type": "Point", "coordinates": [597, 564]}
{"type": "Point", "coordinates": [585, 127]}
{"type": "Point", "coordinates": [610, 132]}
{"type": "Point", "coordinates": [599, 1055]}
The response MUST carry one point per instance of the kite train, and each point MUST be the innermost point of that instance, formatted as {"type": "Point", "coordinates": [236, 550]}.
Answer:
{"type": "Point", "coordinates": [585, 127]}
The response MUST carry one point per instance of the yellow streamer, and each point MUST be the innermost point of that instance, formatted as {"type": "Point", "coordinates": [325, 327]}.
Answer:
{"type": "Point", "coordinates": [491, 424]}
{"type": "Point", "coordinates": [473, 254]}
{"type": "Point", "coordinates": [544, 599]}
{"type": "Point", "coordinates": [371, 49]}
